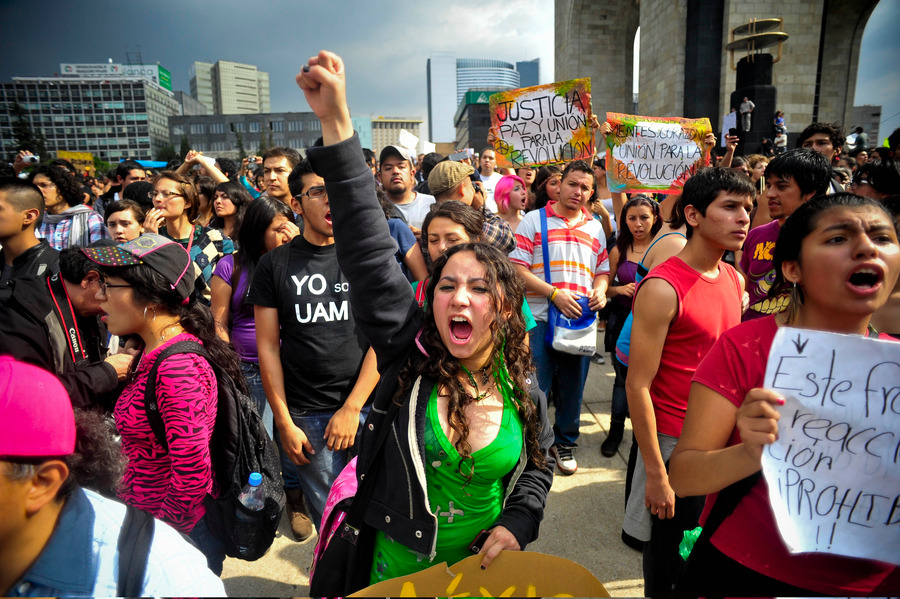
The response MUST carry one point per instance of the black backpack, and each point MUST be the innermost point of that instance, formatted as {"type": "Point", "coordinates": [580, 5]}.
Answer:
{"type": "Point", "coordinates": [238, 447]}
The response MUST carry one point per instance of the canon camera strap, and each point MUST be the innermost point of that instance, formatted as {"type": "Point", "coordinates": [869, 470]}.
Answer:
{"type": "Point", "coordinates": [67, 316]}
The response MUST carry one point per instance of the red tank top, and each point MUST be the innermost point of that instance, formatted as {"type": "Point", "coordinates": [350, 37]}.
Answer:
{"type": "Point", "coordinates": [707, 307]}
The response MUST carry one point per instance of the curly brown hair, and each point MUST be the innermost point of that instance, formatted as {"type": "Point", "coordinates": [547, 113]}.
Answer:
{"type": "Point", "coordinates": [510, 351]}
{"type": "Point", "coordinates": [66, 185]}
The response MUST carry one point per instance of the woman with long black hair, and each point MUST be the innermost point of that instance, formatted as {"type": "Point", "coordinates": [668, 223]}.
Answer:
{"type": "Point", "coordinates": [267, 224]}
{"type": "Point", "coordinates": [839, 257]}
{"type": "Point", "coordinates": [147, 291]}
{"type": "Point", "coordinates": [469, 449]}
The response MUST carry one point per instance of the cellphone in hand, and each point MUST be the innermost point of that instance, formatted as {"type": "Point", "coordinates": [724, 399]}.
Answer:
{"type": "Point", "coordinates": [476, 545]}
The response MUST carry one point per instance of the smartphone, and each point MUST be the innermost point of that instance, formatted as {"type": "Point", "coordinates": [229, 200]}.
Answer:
{"type": "Point", "coordinates": [460, 156]}
{"type": "Point", "coordinates": [732, 131]}
{"type": "Point", "coordinates": [476, 545]}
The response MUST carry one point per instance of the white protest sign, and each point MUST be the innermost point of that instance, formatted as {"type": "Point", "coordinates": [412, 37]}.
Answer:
{"type": "Point", "coordinates": [543, 124]}
{"type": "Point", "coordinates": [656, 154]}
{"type": "Point", "coordinates": [729, 121]}
{"type": "Point", "coordinates": [834, 472]}
{"type": "Point", "coordinates": [408, 140]}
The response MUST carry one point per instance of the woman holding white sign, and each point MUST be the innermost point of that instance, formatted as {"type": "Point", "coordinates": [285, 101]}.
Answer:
{"type": "Point", "coordinates": [840, 257]}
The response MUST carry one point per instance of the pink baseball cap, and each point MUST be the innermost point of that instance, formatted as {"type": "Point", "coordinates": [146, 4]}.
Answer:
{"type": "Point", "coordinates": [36, 418]}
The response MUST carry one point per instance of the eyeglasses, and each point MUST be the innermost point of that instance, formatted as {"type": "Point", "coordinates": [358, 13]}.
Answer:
{"type": "Point", "coordinates": [104, 286]}
{"type": "Point", "coordinates": [165, 194]}
{"type": "Point", "coordinates": [314, 193]}
{"type": "Point", "coordinates": [861, 181]}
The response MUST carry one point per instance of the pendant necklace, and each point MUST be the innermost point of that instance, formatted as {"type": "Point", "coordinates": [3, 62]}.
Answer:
{"type": "Point", "coordinates": [485, 380]}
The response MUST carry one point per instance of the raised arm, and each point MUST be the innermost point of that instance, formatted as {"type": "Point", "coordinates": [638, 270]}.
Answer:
{"type": "Point", "coordinates": [381, 298]}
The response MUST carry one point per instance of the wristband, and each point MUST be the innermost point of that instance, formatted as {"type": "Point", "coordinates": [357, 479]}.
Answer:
{"type": "Point", "coordinates": [553, 293]}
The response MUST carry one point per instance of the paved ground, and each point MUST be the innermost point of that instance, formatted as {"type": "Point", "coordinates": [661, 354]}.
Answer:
{"type": "Point", "coordinates": [582, 521]}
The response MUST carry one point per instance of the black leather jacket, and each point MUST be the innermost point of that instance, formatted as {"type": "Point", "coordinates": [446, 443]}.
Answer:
{"type": "Point", "coordinates": [387, 313]}
{"type": "Point", "coordinates": [40, 260]}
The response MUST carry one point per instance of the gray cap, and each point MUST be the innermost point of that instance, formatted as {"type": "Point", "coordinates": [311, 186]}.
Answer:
{"type": "Point", "coordinates": [448, 174]}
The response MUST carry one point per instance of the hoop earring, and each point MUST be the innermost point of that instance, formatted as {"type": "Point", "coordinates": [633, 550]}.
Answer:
{"type": "Point", "coordinates": [795, 303]}
{"type": "Point", "coordinates": [154, 313]}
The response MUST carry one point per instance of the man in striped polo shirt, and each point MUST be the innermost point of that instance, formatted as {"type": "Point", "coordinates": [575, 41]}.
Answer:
{"type": "Point", "coordinates": [578, 266]}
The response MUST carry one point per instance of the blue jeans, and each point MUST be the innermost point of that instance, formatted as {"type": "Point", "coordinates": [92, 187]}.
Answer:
{"type": "Point", "coordinates": [258, 394]}
{"type": "Point", "coordinates": [315, 478]}
{"type": "Point", "coordinates": [209, 545]}
{"type": "Point", "coordinates": [569, 373]}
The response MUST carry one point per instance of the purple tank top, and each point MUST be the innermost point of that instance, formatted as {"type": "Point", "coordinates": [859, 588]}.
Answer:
{"type": "Point", "coordinates": [626, 274]}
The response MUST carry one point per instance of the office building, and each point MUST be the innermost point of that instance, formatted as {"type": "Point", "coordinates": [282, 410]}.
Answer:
{"type": "Point", "coordinates": [223, 134]}
{"type": "Point", "coordinates": [219, 135]}
{"type": "Point", "coordinates": [108, 71]}
{"type": "Point", "coordinates": [189, 105]}
{"type": "Point", "coordinates": [230, 87]}
{"type": "Point", "coordinates": [529, 72]}
{"type": "Point", "coordinates": [473, 118]}
{"type": "Point", "coordinates": [386, 130]}
{"type": "Point", "coordinates": [113, 118]}
{"type": "Point", "coordinates": [449, 78]}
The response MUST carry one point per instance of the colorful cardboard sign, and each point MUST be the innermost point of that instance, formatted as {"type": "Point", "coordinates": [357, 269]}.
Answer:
{"type": "Point", "coordinates": [512, 574]}
{"type": "Point", "coordinates": [834, 471]}
{"type": "Point", "coordinates": [544, 124]}
{"type": "Point", "coordinates": [83, 161]}
{"type": "Point", "coordinates": [655, 154]}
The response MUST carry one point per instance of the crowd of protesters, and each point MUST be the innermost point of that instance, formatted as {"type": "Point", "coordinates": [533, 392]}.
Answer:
{"type": "Point", "coordinates": [346, 295]}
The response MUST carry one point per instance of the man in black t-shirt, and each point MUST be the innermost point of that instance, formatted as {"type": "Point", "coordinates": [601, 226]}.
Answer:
{"type": "Point", "coordinates": [314, 362]}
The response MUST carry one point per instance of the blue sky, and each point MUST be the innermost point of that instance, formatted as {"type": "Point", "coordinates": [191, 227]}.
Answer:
{"type": "Point", "coordinates": [878, 79]}
{"type": "Point", "coordinates": [384, 42]}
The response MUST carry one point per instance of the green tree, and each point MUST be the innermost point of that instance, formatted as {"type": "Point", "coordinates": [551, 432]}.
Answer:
{"type": "Point", "coordinates": [239, 138]}
{"type": "Point", "coordinates": [167, 153]}
{"type": "Point", "coordinates": [185, 147]}
{"type": "Point", "coordinates": [26, 137]}
{"type": "Point", "coordinates": [262, 144]}
{"type": "Point", "coordinates": [101, 167]}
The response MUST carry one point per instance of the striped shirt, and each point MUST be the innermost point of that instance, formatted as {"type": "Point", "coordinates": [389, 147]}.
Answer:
{"type": "Point", "coordinates": [58, 235]}
{"type": "Point", "coordinates": [577, 254]}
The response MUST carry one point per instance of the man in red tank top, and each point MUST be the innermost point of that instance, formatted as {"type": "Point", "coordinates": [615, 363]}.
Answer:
{"type": "Point", "coordinates": [681, 308]}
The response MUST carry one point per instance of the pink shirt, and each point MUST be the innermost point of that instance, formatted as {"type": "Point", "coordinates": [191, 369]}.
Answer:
{"type": "Point", "coordinates": [170, 485]}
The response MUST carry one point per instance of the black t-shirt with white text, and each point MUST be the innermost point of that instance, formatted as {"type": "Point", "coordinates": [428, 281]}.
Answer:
{"type": "Point", "coordinates": [321, 348]}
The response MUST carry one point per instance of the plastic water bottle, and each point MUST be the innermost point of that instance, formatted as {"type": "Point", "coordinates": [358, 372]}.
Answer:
{"type": "Point", "coordinates": [251, 495]}
{"type": "Point", "coordinates": [247, 524]}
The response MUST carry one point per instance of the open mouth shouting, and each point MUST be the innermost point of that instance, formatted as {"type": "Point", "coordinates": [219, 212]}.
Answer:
{"type": "Point", "coordinates": [460, 329]}
{"type": "Point", "coordinates": [866, 279]}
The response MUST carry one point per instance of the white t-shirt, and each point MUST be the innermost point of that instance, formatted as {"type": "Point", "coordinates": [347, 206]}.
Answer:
{"type": "Point", "coordinates": [415, 211]}
{"type": "Point", "coordinates": [608, 204]}
{"type": "Point", "coordinates": [489, 184]}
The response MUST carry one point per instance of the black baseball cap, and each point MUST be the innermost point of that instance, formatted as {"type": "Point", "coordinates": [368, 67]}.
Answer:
{"type": "Point", "coordinates": [163, 255]}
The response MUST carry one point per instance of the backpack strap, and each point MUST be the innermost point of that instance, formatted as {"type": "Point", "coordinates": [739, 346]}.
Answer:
{"type": "Point", "coordinates": [726, 501]}
{"type": "Point", "coordinates": [420, 292]}
{"type": "Point", "coordinates": [151, 406]}
{"type": "Point", "coordinates": [133, 547]}
{"type": "Point", "coordinates": [544, 250]}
